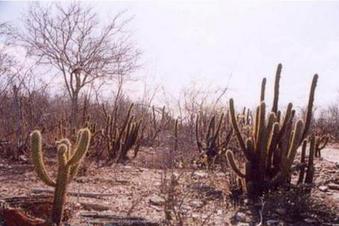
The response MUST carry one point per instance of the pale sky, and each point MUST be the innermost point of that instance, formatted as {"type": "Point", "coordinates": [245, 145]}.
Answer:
{"type": "Point", "coordinates": [208, 41]}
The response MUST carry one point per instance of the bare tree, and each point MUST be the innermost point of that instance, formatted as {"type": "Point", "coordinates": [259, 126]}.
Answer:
{"type": "Point", "coordinates": [83, 51]}
{"type": "Point", "coordinates": [6, 60]}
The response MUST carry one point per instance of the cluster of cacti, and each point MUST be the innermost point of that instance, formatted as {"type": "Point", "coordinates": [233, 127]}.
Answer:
{"type": "Point", "coordinates": [69, 159]}
{"type": "Point", "coordinates": [272, 146]}
{"type": "Point", "coordinates": [245, 121]}
{"type": "Point", "coordinates": [215, 141]}
{"type": "Point", "coordinates": [120, 139]}
{"type": "Point", "coordinates": [245, 118]}
{"type": "Point", "coordinates": [320, 143]}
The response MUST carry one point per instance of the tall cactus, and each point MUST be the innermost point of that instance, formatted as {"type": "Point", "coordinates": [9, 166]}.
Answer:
{"type": "Point", "coordinates": [272, 146]}
{"type": "Point", "coordinates": [68, 163]}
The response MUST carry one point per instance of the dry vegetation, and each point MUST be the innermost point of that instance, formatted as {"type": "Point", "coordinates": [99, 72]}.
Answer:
{"type": "Point", "coordinates": [114, 161]}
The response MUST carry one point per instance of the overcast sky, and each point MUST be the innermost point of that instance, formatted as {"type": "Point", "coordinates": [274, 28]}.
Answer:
{"type": "Point", "coordinates": [209, 41]}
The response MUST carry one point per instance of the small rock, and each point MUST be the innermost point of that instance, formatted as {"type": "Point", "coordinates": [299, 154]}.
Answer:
{"type": "Point", "coordinates": [158, 208]}
{"type": "Point", "coordinates": [200, 174]}
{"type": "Point", "coordinates": [23, 158]}
{"type": "Point", "coordinates": [122, 181]}
{"type": "Point", "coordinates": [94, 206]}
{"type": "Point", "coordinates": [272, 222]}
{"type": "Point", "coordinates": [323, 188]}
{"type": "Point", "coordinates": [242, 217]}
{"type": "Point", "coordinates": [197, 204]}
{"type": "Point", "coordinates": [310, 220]}
{"type": "Point", "coordinates": [127, 167]}
{"type": "Point", "coordinates": [157, 200]}
{"type": "Point", "coordinates": [333, 186]}
{"type": "Point", "coordinates": [281, 211]}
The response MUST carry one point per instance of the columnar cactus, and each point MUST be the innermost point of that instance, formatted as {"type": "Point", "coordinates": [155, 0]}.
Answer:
{"type": "Point", "coordinates": [271, 148]}
{"type": "Point", "coordinates": [68, 163]}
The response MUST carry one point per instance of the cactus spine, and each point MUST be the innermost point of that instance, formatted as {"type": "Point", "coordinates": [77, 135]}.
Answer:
{"type": "Point", "coordinates": [271, 148]}
{"type": "Point", "coordinates": [68, 163]}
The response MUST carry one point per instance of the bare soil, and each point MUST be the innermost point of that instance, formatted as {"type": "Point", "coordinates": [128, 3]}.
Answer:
{"type": "Point", "coordinates": [134, 193]}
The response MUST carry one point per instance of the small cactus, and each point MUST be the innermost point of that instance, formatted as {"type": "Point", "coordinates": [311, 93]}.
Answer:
{"type": "Point", "coordinates": [68, 163]}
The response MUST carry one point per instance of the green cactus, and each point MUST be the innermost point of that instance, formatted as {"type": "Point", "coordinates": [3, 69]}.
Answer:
{"type": "Point", "coordinates": [272, 146]}
{"type": "Point", "coordinates": [69, 160]}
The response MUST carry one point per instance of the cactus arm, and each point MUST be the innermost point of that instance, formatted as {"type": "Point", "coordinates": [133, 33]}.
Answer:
{"type": "Point", "coordinates": [323, 142]}
{"type": "Point", "coordinates": [266, 139]}
{"type": "Point", "coordinates": [310, 106]}
{"type": "Point", "coordinates": [310, 164]}
{"type": "Point", "coordinates": [61, 185]}
{"type": "Point", "coordinates": [237, 131]}
{"type": "Point", "coordinates": [82, 147]}
{"type": "Point", "coordinates": [302, 162]}
{"type": "Point", "coordinates": [261, 127]}
{"type": "Point", "coordinates": [250, 145]}
{"type": "Point", "coordinates": [37, 158]}
{"type": "Point", "coordinates": [256, 123]}
{"type": "Point", "coordinates": [278, 116]}
{"type": "Point", "coordinates": [287, 119]}
{"type": "Point", "coordinates": [231, 161]}
{"type": "Point", "coordinates": [211, 128]}
{"type": "Point", "coordinates": [288, 158]}
{"type": "Point", "coordinates": [217, 132]}
{"type": "Point", "coordinates": [227, 139]}
{"type": "Point", "coordinates": [276, 89]}
{"type": "Point", "coordinates": [67, 142]}
{"type": "Point", "coordinates": [263, 87]}
{"type": "Point", "coordinates": [295, 141]}
{"type": "Point", "coordinates": [272, 144]}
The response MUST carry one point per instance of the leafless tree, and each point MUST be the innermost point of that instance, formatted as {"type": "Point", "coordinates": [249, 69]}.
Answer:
{"type": "Point", "coordinates": [6, 60]}
{"type": "Point", "coordinates": [83, 51]}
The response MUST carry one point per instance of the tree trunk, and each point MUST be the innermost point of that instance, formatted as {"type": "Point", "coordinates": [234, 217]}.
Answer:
{"type": "Point", "coordinates": [75, 110]}
{"type": "Point", "coordinates": [18, 121]}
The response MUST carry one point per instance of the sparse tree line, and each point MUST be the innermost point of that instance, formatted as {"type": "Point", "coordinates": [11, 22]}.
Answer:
{"type": "Point", "coordinates": [260, 146]}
